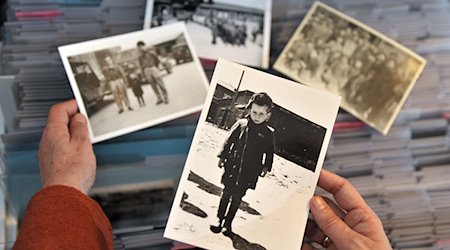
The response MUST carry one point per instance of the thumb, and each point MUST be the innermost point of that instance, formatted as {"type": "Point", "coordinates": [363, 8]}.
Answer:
{"type": "Point", "coordinates": [78, 128]}
{"type": "Point", "coordinates": [330, 223]}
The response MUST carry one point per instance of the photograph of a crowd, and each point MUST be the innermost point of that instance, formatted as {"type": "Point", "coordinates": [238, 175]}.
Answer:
{"type": "Point", "coordinates": [132, 81]}
{"type": "Point", "coordinates": [333, 52]}
{"type": "Point", "coordinates": [230, 29]}
{"type": "Point", "coordinates": [254, 162]}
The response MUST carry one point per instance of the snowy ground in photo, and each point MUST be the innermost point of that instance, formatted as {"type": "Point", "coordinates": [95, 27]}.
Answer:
{"type": "Point", "coordinates": [280, 201]}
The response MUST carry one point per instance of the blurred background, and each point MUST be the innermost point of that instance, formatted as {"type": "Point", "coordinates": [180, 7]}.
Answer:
{"type": "Point", "coordinates": [404, 176]}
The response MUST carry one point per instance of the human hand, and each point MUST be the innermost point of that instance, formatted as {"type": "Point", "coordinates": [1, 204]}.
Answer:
{"type": "Point", "coordinates": [221, 162]}
{"type": "Point", "coordinates": [66, 156]}
{"type": "Point", "coordinates": [349, 224]}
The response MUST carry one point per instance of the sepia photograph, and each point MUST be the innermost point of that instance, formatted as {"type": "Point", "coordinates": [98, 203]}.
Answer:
{"type": "Point", "coordinates": [254, 162]}
{"type": "Point", "coordinates": [371, 72]}
{"type": "Point", "coordinates": [231, 29]}
{"type": "Point", "coordinates": [132, 81]}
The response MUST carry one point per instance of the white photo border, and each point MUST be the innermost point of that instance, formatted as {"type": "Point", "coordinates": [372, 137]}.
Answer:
{"type": "Point", "coordinates": [317, 106]}
{"type": "Point", "coordinates": [266, 38]}
{"type": "Point", "coordinates": [156, 34]}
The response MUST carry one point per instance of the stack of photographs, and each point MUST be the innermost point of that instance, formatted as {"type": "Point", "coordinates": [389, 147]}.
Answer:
{"type": "Point", "coordinates": [137, 197]}
{"type": "Point", "coordinates": [137, 212]}
{"type": "Point", "coordinates": [402, 175]}
{"type": "Point", "coordinates": [32, 34]}
{"type": "Point", "coordinates": [137, 205]}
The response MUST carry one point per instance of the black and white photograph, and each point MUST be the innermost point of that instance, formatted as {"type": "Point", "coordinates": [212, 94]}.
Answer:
{"type": "Point", "coordinates": [231, 29]}
{"type": "Point", "coordinates": [136, 205]}
{"type": "Point", "coordinates": [254, 162]}
{"type": "Point", "coordinates": [132, 81]}
{"type": "Point", "coordinates": [371, 72]}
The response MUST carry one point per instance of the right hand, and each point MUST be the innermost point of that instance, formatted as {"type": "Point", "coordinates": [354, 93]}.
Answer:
{"type": "Point", "coordinates": [66, 156]}
{"type": "Point", "coordinates": [349, 224]}
{"type": "Point", "coordinates": [221, 162]}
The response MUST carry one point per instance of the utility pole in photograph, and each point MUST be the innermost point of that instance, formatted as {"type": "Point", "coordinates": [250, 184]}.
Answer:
{"type": "Point", "coordinates": [233, 102]}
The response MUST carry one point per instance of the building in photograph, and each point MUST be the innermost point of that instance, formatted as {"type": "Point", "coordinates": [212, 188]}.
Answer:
{"type": "Point", "coordinates": [296, 138]}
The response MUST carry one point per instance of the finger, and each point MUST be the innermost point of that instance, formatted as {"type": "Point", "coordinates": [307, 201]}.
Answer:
{"type": "Point", "coordinates": [343, 191]}
{"type": "Point", "coordinates": [312, 229]}
{"type": "Point", "coordinates": [336, 209]}
{"type": "Point", "coordinates": [332, 247]}
{"type": "Point", "coordinates": [329, 222]}
{"type": "Point", "coordinates": [78, 128]}
{"type": "Point", "coordinates": [306, 247]}
{"type": "Point", "coordinates": [58, 120]}
{"type": "Point", "coordinates": [60, 113]}
{"type": "Point", "coordinates": [313, 232]}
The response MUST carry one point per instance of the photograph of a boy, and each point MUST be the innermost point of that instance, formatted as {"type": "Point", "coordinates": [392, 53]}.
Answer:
{"type": "Point", "coordinates": [246, 155]}
{"type": "Point", "coordinates": [253, 162]}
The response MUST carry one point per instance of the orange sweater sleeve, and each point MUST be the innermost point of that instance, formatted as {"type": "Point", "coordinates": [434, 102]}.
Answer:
{"type": "Point", "coordinates": [62, 217]}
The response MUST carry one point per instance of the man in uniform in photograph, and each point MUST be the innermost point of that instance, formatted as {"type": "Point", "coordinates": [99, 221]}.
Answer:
{"type": "Point", "coordinates": [117, 84]}
{"type": "Point", "coordinates": [149, 62]}
{"type": "Point", "coordinates": [246, 155]}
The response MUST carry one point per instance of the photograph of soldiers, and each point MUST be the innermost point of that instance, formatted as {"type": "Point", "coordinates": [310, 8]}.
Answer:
{"type": "Point", "coordinates": [336, 53]}
{"type": "Point", "coordinates": [117, 84]}
{"type": "Point", "coordinates": [147, 65]}
{"type": "Point", "coordinates": [230, 29]}
{"type": "Point", "coordinates": [253, 162]}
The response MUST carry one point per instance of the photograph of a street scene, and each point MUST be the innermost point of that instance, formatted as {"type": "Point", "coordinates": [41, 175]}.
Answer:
{"type": "Point", "coordinates": [230, 29]}
{"type": "Point", "coordinates": [134, 81]}
{"type": "Point", "coordinates": [253, 163]}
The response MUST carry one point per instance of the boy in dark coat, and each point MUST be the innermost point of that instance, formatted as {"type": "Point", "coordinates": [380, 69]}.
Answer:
{"type": "Point", "coordinates": [246, 155]}
{"type": "Point", "coordinates": [135, 84]}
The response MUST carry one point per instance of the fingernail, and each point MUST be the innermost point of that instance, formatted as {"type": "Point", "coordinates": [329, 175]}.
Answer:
{"type": "Point", "coordinates": [79, 118]}
{"type": "Point", "coordinates": [318, 203]}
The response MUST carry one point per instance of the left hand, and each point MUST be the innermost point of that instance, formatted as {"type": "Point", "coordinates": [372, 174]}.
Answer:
{"type": "Point", "coordinates": [263, 172]}
{"type": "Point", "coordinates": [66, 155]}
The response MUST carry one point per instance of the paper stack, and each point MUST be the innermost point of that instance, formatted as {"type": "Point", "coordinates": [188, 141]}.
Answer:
{"type": "Point", "coordinates": [403, 176]}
